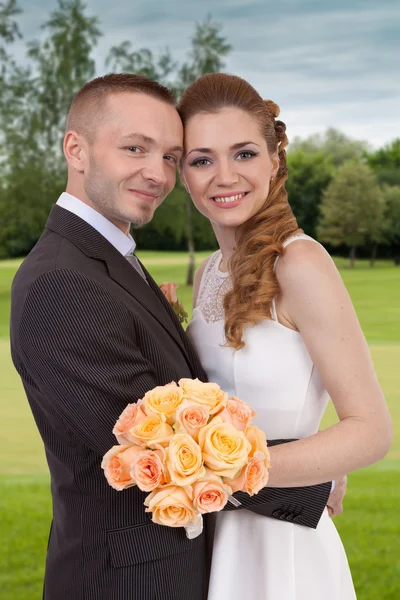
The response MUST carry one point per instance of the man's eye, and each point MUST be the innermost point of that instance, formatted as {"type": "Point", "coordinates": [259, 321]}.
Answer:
{"type": "Point", "coordinates": [171, 159]}
{"type": "Point", "coordinates": [134, 149]}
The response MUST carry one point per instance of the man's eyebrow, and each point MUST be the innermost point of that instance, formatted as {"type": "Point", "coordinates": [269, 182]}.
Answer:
{"type": "Point", "coordinates": [138, 136]}
{"type": "Point", "coordinates": [234, 147]}
{"type": "Point", "coordinates": [148, 140]}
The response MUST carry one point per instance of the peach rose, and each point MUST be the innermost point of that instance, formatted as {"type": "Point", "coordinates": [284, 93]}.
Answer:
{"type": "Point", "coordinates": [117, 464]}
{"type": "Point", "coordinates": [169, 290]}
{"type": "Point", "coordinates": [256, 437]}
{"type": "Point", "coordinates": [206, 394]}
{"type": "Point", "coordinates": [253, 477]}
{"type": "Point", "coordinates": [238, 413]}
{"type": "Point", "coordinates": [164, 400]}
{"type": "Point", "coordinates": [256, 475]}
{"type": "Point", "coordinates": [225, 449]}
{"type": "Point", "coordinates": [210, 494]}
{"type": "Point", "coordinates": [184, 460]}
{"type": "Point", "coordinates": [151, 428]}
{"type": "Point", "coordinates": [132, 416]}
{"type": "Point", "coordinates": [190, 417]}
{"type": "Point", "coordinates": [171, 506]}
{"type": "Point", "coordinates": [148, 469]}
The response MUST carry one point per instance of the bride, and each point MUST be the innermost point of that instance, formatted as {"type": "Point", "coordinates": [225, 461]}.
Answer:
{"type": "Point", "coordinates": [274, 325]}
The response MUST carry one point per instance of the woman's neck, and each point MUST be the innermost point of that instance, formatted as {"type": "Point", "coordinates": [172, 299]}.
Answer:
{"type": "Point", "coordinates": [226, 238]}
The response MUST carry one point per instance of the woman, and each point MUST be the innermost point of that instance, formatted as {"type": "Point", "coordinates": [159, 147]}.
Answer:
{"type": "Point", "coordinates": [274, 325]}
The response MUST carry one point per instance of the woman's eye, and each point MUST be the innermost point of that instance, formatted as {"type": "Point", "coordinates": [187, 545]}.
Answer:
{"type": "Point", "coordinates": [245, 155]}
{"type": "Point", "coordinates": [200, 162]}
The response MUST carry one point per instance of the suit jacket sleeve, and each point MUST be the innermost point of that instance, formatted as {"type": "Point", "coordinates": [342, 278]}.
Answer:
{"type": "Point", "coordinates": [78, 343]}
{"type": "Point", "coordinates": [301, 505]}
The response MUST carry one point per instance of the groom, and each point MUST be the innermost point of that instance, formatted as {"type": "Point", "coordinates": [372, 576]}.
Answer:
{"type": "Point", "coordinates": [91, 332]}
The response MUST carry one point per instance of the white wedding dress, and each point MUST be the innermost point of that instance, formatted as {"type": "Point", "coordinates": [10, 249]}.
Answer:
{"type": "Point", "coordinates": [255, 557]}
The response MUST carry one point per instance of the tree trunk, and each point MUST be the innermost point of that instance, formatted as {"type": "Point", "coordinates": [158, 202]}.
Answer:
{"type": "Point", "coordinates": [190, 241]}
{"type": "Point", "coordinates": [373, 254]}
{"type": "Point", "coordinates": [352, 256]}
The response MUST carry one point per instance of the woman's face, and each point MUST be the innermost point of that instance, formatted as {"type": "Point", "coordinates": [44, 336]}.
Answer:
{"type": "Point", "coordinates": [227, 167]}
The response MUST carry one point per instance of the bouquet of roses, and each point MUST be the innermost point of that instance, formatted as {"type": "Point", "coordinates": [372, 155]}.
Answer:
{"type": "Point", "coordinates": [191, 446]}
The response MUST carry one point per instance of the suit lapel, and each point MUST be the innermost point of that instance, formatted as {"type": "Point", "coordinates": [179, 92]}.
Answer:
{"type": "Point", "coordinates": [94, 245]}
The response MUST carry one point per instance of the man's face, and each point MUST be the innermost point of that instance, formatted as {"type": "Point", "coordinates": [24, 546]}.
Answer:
{"type": "Point", "coordinates": [130, 164]}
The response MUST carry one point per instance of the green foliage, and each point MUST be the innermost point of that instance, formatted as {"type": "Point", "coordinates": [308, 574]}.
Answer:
{"type": "Point", "coordinates": [352, 208]}
{"type": "Point", "coordinates": [386, 163]}
{"type": "Point", "coordinates": [369, 525]}
{"type": "Point", "coordinates": [309, 175]}
{"type": "Point", "coordinates": [334, 144]}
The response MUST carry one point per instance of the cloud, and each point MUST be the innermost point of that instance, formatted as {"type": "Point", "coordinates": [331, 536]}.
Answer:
{"type": "Point", "coordinates": [332, 63]}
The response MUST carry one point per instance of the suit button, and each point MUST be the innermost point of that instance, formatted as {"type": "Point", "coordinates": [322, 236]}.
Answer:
{"type": "Point", "coordinates": [297, 519]}
{"type": "Point", "coordinates": [290, 518]}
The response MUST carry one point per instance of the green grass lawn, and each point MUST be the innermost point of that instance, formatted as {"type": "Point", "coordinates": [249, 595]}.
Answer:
{"type": "Point", "coordinates": [369, 526]}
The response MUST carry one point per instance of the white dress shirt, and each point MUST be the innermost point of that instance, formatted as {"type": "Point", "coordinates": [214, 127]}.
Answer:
{"type": "Point", "coordinates": [125, 244]}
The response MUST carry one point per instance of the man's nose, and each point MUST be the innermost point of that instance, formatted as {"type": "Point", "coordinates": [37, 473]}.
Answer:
{"type": "Point", "coordinates": [155, 170]}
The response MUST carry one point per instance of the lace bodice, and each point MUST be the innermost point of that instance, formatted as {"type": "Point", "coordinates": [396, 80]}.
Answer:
{"type": "Point", "coordinates": [215, 284]}
{"type": "Point", "coordinates": [213, 287]}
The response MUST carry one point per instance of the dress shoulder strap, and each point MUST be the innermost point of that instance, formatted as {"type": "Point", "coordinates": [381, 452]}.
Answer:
{"type": "Point", "coordinates": [289, 240]}
{"type": "Point", "coordinates": [294, 238]}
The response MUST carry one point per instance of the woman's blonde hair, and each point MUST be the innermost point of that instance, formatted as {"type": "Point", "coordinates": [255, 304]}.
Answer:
{"type": "Point", "coordinates": [259, 240]}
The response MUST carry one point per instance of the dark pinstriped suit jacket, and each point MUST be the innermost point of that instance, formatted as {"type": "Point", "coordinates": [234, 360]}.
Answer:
{"type": "Point", "coordinates": [89, 336]}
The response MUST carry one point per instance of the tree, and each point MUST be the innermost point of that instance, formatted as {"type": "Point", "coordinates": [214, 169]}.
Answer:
{"type": "Point", "coordinates": [391, 196]}
{"type": "Point", "coordinates": [208, 48]}
{"type": "Point", "coordinates": [385, 162]}
{"type": "Point", "coordinates": [122, 59]}
{"type": "Point", "coordinates": [39, 97]}
{"type": "Point", "coordinates": [334, 144]}
{"type": "Point", "coordinates": [63, 63]}
{"type": "Point", "coordinates": [309, 175]}
{"type": "Point", "coordinates": [352, 209]}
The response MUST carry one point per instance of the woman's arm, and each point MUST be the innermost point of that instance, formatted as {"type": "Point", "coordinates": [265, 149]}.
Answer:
{"type": "Point", "coordinates": [314, 301]}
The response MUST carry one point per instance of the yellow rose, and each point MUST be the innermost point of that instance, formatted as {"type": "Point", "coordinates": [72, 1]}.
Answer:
{"type": "Point", "coordinates": [164, 400]}
{"type": "Point", "coordinates": [207, 394]}
{"type": "Point", "coordinates": [184, 460]}
{"type": "Point", "coordinates": [225, 449]}
{"type": "Point", "coordinates": [171, 505]}
{"type": "Point", "coordinates": [152, 428]}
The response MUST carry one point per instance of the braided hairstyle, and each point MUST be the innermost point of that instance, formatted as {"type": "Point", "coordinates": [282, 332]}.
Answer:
{"type": "Point", "coordinates": [259, 241]}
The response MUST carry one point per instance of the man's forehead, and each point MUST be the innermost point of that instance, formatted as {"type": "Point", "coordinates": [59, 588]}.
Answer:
{"type": "Point", "coordinates": [147, 116]}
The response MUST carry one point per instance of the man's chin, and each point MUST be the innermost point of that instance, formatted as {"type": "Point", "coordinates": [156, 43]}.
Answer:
{"type": "Point", "coordinates": [141, 219]}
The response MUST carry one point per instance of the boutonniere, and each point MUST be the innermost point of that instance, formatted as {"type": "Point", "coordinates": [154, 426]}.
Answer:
{"type": "Point", "coordinates": [169, 290]}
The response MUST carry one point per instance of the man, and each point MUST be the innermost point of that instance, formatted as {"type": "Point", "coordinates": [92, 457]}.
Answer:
{"type": "Point", "coordinates": [91, 332]}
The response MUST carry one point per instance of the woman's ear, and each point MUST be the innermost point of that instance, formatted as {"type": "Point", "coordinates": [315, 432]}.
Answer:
{"type": "Point", "coordinates": [275, 166]}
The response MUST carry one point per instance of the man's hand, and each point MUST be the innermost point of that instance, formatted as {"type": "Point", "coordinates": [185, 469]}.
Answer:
{"type": "Point", "coordinates": [334, 504]}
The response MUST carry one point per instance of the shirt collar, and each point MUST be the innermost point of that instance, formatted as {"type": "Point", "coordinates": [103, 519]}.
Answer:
{"type": "Point", "coordinates": [125, 244]}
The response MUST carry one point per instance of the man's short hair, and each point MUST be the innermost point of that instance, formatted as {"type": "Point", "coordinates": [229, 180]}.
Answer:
{"type": "Point", "coordinates": [86, 109]}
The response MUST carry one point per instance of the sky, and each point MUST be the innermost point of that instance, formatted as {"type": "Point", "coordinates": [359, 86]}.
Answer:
{"type": "Point", "coordinates": [327, 63]}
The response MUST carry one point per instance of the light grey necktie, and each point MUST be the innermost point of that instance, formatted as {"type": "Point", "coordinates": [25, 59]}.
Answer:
{"type": "Point", "coordinates": [134, 261]}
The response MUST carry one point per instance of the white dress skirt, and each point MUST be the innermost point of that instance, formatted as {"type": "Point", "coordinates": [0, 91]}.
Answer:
{"type": "Point", "coordinates": [255, 557]}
